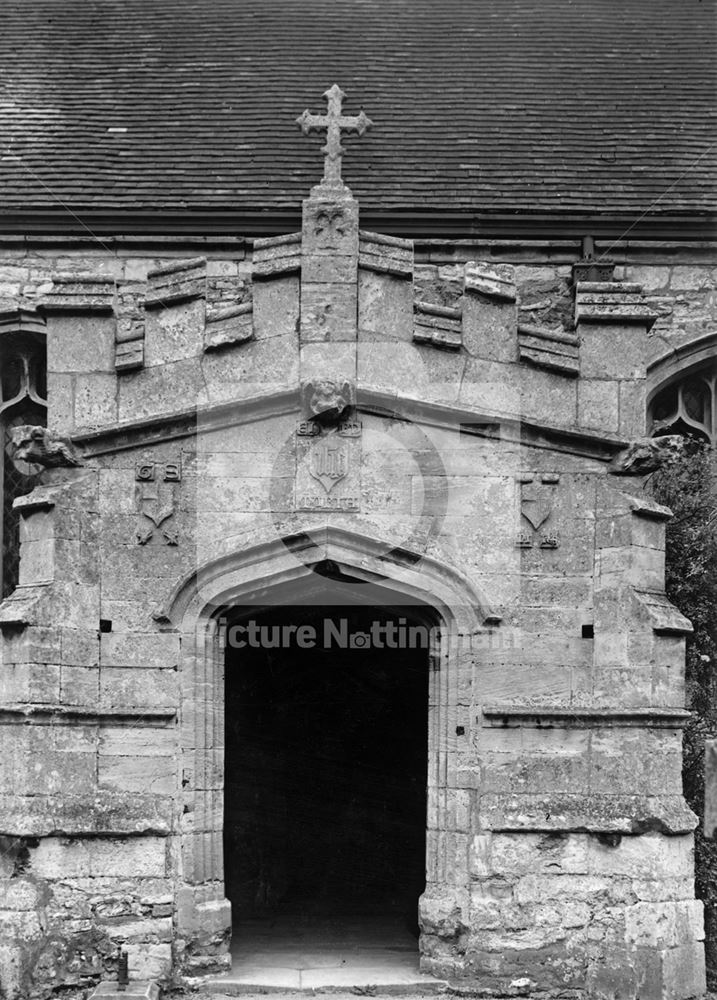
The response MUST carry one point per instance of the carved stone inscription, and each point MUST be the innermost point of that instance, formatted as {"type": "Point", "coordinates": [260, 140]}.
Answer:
{"type": "Point", "coordinates": [328, 466]}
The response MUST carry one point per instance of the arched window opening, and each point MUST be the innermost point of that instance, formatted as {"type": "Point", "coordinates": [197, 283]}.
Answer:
{"type": "Point", "coordinates": [686, 406]}
{"type": "Point", "coordinates": [23, 400]}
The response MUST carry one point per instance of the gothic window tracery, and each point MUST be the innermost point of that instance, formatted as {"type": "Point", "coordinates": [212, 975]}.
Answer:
{"type": "Point", "coordinates": [687, 405]}
{"type": "Point", "coordinates": [23, 400]}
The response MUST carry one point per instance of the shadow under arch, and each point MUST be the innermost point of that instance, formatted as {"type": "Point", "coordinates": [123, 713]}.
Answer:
{"type": "Point", "coordinates": [261, 575]}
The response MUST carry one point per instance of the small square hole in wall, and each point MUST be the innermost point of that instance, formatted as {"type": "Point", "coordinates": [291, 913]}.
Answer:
{"type": "Point", "coordinates": [588, 632]}
{"type": "Point", "coordinates": [105, 625]}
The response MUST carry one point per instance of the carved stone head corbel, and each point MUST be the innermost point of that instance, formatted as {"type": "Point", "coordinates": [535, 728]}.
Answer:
{"type": "Point", "coordinates": [328, 401]}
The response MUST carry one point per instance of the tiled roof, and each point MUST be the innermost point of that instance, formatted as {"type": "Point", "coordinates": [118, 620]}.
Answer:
{"type": "Point", "coordinates": [478, 105]}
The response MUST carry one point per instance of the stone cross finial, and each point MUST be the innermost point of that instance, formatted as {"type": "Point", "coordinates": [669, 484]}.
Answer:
{"type": "Point", "coordinates": [333, 121]}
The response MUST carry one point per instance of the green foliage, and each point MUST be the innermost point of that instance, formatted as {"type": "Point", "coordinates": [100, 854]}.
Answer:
{"type": "Point", "coordinates": [688, 487]}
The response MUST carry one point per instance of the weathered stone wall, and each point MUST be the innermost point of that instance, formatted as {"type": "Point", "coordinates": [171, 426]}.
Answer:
{"type": "Point", "coordinates": [679, 279]}
{"type": "Point", "coordinates": [476, 447]}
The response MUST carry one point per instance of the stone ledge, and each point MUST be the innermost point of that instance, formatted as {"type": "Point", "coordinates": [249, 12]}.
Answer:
{"type": "Point", "coordinates": [276, 256]}
{"type": "Point", "coordinates": [25, 713]}
{"type": "Point", "coordinates": [228, 326]}
{"type": "Point", "coordinates": [176, 282]}
{"type": "Point", "coordinates": [106, 814]}
{"type": "Point", "coordinates": [511, 716]}
{"type": "Point", "coordinates": [649, 509]}
{"type": "Point", "coordinates": [133, 990]}
{"type": "Point", "coordinates": [129, 355]}
{"type": "Point", "coordinates": [23, 321]}
{"type": "Point", "coordinates": [558, 352]}
{"type": "Point", "coordinates": [20, 609]}
{"type": "Point", "coordinates": [612, 302]}
{"type": "Point", "coordinates": [488, 281]}
{"type": "Point", "coordinates": [79, 293]}
{"type": "Point", "coordinates": [576, 812]}
{"type": "Point", "coordinates": [439, 326]}
{"type": "Point", "coordinates": [662, 614]}
{"type": "Point", "coordinates": [386, 254]}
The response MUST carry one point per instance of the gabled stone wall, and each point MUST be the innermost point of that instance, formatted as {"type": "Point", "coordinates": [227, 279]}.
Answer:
{"type": "Point", "coordinates": [479, 415]}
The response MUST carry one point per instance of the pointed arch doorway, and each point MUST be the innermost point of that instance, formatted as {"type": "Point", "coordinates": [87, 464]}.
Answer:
{"type": "Point", "coordinates": [242, 574]}
{"type": "Point", "coordinates": [325, 790]}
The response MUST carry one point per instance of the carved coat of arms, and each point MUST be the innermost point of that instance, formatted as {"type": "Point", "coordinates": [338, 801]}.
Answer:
{"type": "Point", "coordinates": [537, 500]}
{"type": "Point", "coordinates": [329, 461]}
{"type": "Point", "coordinates": [537, 504]}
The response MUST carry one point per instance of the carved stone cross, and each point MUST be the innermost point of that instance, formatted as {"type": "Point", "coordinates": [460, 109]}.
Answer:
{"type": "Point", "coordinates": [333, 121]}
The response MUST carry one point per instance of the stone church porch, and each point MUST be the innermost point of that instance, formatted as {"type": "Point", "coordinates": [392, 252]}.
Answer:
{"type": "Point", "coordinates": [505, 797]}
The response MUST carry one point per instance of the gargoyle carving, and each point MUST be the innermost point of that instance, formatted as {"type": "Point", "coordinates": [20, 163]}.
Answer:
{"type": "Point", "coordinates": [646, 455]}
{"type": "Point", "coordinates": [38, 446]}
{"type": "Point", "coordinates": [328, 401]}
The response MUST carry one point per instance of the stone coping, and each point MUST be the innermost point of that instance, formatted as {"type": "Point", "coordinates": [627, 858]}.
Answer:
{"type": "Point", "coordinates": [205, 419]}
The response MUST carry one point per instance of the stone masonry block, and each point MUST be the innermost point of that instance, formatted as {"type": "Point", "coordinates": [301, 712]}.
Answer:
{"type": "Point", "coordinates": [547, 396]}
{"type": "Point", "coordinates": [80, 344]}
{"type": "Point", "coordinates": [320, 268]}
{"type": "Point", "coordinates": [151, 649]}
{"type": "Point", "coordinates": [612, 352]}
{"type": "Point", "coordinates": [150, 929]}
{"type": "Point", "coordinates": [385, 308]}
{"type": "Point", "coordinates": [137, 741]}
{"type": "Point", "coordinates": [632, 409]}
{"type": "Point", "coordinates": [276, 307]}
{"type": "Point", "coordinates": [37, 562]}
{"type": "Point", "coordinates": [329, 312]}
{"type": "Point", "coordinates": [490, 328]}
{"type": "Point", "coordinates": [129, 689]}
{"type": "Point", "coordinates": [598, 404]}
{"type": "Point", "coordinates": [149, 961]}
{"type": "Point", "coordinates": [174, 334]}
{"type": "Point", "coordinates": [134, 857]}
{"type": "Point", "coordinates": [58, 857]}
{"type": "Point", "coordinates": [148, 774]}
{"type": "Point", "coordinates": [649, 855]}
{"type": "Point", "coordinates": [33, 683]}
{"type": "Point", "coordinates": [95, 400]}
{"type": "Point", "coordinates": [683, 972]}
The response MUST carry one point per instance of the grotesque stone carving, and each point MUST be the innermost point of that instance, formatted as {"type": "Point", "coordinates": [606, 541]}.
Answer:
{"type": "Point", "coordinates": [37, 446]}
{"type": "Point", "coordinates": [328, 401]}
{"type": "Point", "coordinates": [646, 455]}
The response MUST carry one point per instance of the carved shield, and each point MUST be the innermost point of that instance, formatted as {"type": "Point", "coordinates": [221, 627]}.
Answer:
{"type": "Point", "coordinates": [329, 462]}
{"type": "Point", "coordinates": [155, 503]}
{"type": "Point", "coordinates": [536, 504]}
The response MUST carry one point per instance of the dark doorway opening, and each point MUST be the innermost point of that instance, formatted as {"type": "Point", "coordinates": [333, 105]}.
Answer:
{"type": "Point", "coordinates": [325, 763]}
